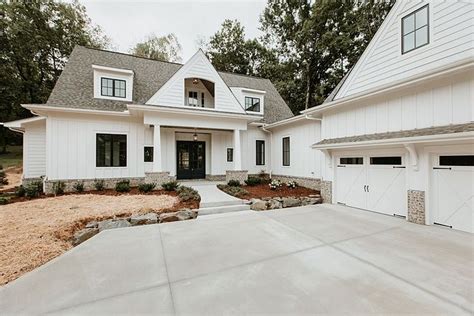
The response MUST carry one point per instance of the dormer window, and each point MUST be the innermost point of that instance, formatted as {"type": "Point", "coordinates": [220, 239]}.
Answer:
{"type": "Point", "coordinates": [112, 83]}
{"type": "Point", "coordinates": [252, 104]}
{"type": "Point", "coordinates": [415, 30]}
{"type": "Point", "coordinates": [113, 87]}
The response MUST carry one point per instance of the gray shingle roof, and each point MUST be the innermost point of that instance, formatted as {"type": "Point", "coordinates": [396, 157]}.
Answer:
{"type": "Point", "coordinates": [438, 130]}
{"type": "Point", "coordinates": [74, 88]}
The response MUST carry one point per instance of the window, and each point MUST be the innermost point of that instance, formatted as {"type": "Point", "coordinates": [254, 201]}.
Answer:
{"type": "Point", "coordinates": [148, 154]}
{"type": "Point", "coordinates": [286, 151]}
{"type": "Point", "coordinates": [111, 150]}
{"type": "Point", "coordinates": [192, 98]}
{"type": "Point", "coordinates": [252, 104]}
{"type": "Point", "coordinates": [202, 99]}
{"type": "Point", "coordinates": [260, 158]}
{"type": "Point", "coordinates": [415, 30]}
{"type": "Point", "coordinates": [112, 88]}
{"type": "Point", "coordinates": [230, 154]}
{"type": "Point", "coordinates": [462, 160]}
{"type": "Point", "coordinates": [386, 160]}
{"type": "Point", "coordinates": [351, 161]}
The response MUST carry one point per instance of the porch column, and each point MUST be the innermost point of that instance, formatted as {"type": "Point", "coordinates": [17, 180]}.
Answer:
{"type": "Point", "coordinates": [157, 167]}
{"type": "Point", "coordinates": [237, 151]}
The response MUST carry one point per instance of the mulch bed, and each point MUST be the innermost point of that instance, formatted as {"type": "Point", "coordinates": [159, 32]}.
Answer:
{"type": "Point", "coordinates": [263, 191]}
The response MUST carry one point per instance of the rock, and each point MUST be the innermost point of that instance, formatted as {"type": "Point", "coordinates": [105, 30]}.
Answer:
{"type": "Point", "coordinates": [83, 235]}
{"type": "Point", "coordinates": [92, 224]}
{"type": "Point", "coordinates": [181, 215]}
{"type": "Point", "coordinates": [112, 223]}
{"type": "Point", "coordinates": [273, 204]}
{"type": "Point", "coordinates": [310, 201]}
{"type": "Point", "coordinates": [149, 218]}
{"type": "Point", "coordinates": [168, 217]}
{"type": "Point", "coordinates": [259, 205]}
{"type": "Point", "coordinates": [291, 202]}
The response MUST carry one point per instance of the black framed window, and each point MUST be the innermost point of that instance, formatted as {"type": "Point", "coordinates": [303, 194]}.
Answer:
{"type": "Point", "coordinates": [458, 160]}
{"type": "Point", "coordinates": [351, 161]}
{"type": "Point", "coordinates": [260, 152]}
{"type": "Point", "coordinates": [395, 160]}
{"type": "Point", "coordinates": [252, 104]}
{"type": "Point", "coordinates": [202, 99]}
{"type": "Point", "coordinates": [230, 154]}
{"type": "Point", "coordinates": [286, 151]}
{"type": "Point", "coordinates": [111, 150]}
{"type": "Point", "coordinates": [192, 98]}
{"type": "Point", "coordinates": [148, 154]}
{"type": "Point", "coordinates": [415, 30]}
{"type": "Point", "coordinates": [113, 87]}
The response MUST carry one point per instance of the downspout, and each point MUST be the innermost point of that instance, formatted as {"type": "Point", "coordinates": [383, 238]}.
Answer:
{"type": "Point", "coordinates": [271, 146]}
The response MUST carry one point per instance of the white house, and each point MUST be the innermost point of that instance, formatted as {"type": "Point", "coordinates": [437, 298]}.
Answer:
{"type": "Point", "coordinates": [396, 136]}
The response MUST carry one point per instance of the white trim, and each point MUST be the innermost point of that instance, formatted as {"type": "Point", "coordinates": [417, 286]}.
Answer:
{"type": "Point", "coordinates": [18, 124]}
{"type": "Point", "coordinates": [46, 108]}
{"type": "Point", "coordinates": [110, 69]}
{"type": "Point", "coordinates": [251, 90]}
{"type": "Point", "coordinates": [286, 121]}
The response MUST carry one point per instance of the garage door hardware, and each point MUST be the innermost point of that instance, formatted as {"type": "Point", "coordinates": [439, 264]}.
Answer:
{"type": "Point", "coordinates": [366, 188]}
{"type": "Point", "coordinates": [442, 168]}
{"type": "Point", "coordinates": [398, 215]}
{"type": "Point", "coordinates": [439, 224]}
{"type": "Point", "coordinates": [399, 167]}
{"type": "Point", "coordinates": [341, 166]}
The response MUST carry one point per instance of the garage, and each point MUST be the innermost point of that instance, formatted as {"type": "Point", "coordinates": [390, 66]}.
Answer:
{"type": "Point", "coordinates": [375, 183]}
{"type": "Point", "coordinates": [452, 191]}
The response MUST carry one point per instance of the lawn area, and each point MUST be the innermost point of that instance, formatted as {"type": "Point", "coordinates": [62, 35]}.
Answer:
{"type": "Point", "coordinates": [13, 157]}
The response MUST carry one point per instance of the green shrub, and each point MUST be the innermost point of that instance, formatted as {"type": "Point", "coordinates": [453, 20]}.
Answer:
{"type": "Point", "coordinates": [170, 186]}
{"type": "Point", "coordinates": [233, 190]}
{"type": "Point", "coordinates": [3, 177]}
{"type": "Point", "coordinates": [146, 187]}
{"type": "Point", "coordinates": [4, 200]}
{"type": "Point", "coordinates": [99, 185]}
{"type": "Point", "coordinates": [122, 186]}
{"type": "Point", "coordinates": [234, 183]}
{"type": "Point", "coordinates": [34, 189]}
{"type": "Point", "coordinates": [78, 186]}
{"type": "Point", "coordinates": [187, 193]}
{"type": "Point", "coordinates": [20, 191]}
{"type": "Point", "coordinates": [58, 187]}
{"type": "Point", "coordinates": [253, 181]}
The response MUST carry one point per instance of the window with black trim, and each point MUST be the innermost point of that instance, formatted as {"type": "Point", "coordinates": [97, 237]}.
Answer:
{"type": "Point", "coordinates": [252, 104]}
{"type": "Point", "coordinates": [415, 30]}
{"type": "Point", "coordinates": [148, 154]}
{"type": "Point", "coordinates": [260, 152]}
{"type": "Point", "coordinates": [458, 160]}
{"type": "Point", "coordinates": [202, 99]}
{"type": "Point", "coordinates": [351, 161]}
{"type": "Point", "coordinates": [395, 160]}
{"type": "Point", "coordinates": [286, 151]}
{"type": "Point", "coordinates": [192, 98]}
{"type": "Point", "coordinates": [111, 150]}
{"type": "Point", "coordinates": [112, 87]}
{"type": "Point", "coordinates": [230, 154]}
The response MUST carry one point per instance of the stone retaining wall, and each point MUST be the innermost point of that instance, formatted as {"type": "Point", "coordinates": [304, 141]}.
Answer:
{"type": "Point", "coordinates": [416, 206]}
{"type": "Point", "coordinates": [239, 175]}
{"type": "Point", "coordinates": [312, 183]}
{"type": "Point", "coordinates": [109, 183]}
{"type": "Point", "coordinates": [326, 191]}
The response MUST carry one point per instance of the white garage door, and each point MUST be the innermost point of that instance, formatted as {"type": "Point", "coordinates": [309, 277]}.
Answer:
{"type": "Point", "coordinates": [375, 183]}
{"type": "Point", "coordinates": [453, 191]}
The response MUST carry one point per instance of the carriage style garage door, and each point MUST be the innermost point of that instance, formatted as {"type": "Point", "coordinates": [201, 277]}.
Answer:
{"type": "Point", "coordinates": [375, 183]}
{"type": "Point", "coordinates": [452, 191]}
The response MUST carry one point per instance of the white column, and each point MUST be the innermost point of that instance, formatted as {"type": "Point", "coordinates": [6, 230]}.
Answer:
{"type": "Point", "coordinates": [157, 167]}
{"type": "Point", "coordinates": [237, 151]}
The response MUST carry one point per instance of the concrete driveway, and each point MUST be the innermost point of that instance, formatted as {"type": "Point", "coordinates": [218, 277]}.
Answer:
{"type": "Point", "coordinates": [316, 259]}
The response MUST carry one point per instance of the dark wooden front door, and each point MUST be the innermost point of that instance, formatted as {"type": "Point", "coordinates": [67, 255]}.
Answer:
{"type": "Point", "coordinates": [191, 160]}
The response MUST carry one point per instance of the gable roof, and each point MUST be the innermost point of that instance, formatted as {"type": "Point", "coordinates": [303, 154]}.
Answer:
{"type": "Point", "coordinates": [74, 88]}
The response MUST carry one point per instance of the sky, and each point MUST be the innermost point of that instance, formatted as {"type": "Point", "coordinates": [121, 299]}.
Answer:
{"type": "Point", "coordinates": [127, 22]}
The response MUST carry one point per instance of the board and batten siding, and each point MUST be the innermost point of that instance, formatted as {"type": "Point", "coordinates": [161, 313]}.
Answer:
{"type": "Point", "coordinates": [249, 150]}
{"type": "Point", "coordinates": [34, 150]}
{"type": "Point", "coordinates": [443, 103]}
{"type": "Point", "coordinates": [451, 27]}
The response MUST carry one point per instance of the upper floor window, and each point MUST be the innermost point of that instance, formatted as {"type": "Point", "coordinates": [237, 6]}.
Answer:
{"type": "Point", "coordinates": [415, 30]}
{"type": "Point", "coordinates": [252, 104]}
{"type": "Point", "coordinates": [112, 87]}
{"type": "Point", "coordinates": [192, 98]}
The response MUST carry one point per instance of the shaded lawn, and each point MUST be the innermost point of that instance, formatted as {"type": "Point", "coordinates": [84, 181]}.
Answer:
{"type": "Point", "coordinates": [12, 158]}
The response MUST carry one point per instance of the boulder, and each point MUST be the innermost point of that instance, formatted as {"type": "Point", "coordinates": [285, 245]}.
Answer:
{"type": "Point", "coordinates": [168, 217]}
{"type": "Point", "coordinates": [83, 235]}
{"type": "Point", "coordinates": [149, 218]}
{"type": "Point", "coordinates": [259, 205]}
{"type": "Point", "coordinates": [181, 215]}
{"type": "Point", "coordinates": [92, 224]}
{"type": "Point", "coordinates": [291, 202]}
{"type": "Point", "coordinates": [310, 201]}
{"type": "Point", "coordinates": [113, 223]}
{"type": "Point", "coordinates": [273, 204]}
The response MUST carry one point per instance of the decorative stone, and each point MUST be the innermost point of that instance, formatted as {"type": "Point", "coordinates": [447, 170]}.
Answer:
{"type": "Point", "coordinates": [273, 204]}
{"type": "Point", "coordinates": [238, 175]}
{"type": "Point", "coordinates": [326, 191]}
{"type": "Point", "coordinates": [259, 205]}
{"type": "Point", "coordinates": [92, 224]}
{"type": "Point", "coordinates": [291, 202]}
{"type": "Point", "coordinates": [83, 235]}
{"type": "Point", "coordinates": [312, 183]}
{"type": "Point", "coordinates": [181, 215]}
{"type": "Point", "coordinates": [149, 218]}
{"type": "Point", "coordinates": [416, 206]}
{"type": "Point", "coordinates": [158, 178]}
{"type": "Point", "coordinates": [111, 224]}
{"type": "Point", "coordinates": [310, 201]}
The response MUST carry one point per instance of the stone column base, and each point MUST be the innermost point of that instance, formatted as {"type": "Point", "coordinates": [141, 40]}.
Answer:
{"type": "Point", "coordinates": [326, 191]}
{"type": "Point", "coordinates": [238, 175]}
{"type": "Point", "coordinates": [416, 206]}
{"type": "Point", "coordinates": [158, 178]}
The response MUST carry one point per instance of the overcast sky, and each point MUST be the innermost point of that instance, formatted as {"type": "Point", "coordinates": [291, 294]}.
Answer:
{"type": "Point", "coordinates": [127, 22]}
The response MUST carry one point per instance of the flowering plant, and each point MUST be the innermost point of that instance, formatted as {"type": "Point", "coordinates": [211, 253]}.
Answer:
{"type": "Point", "coordinates": [292, 184]}
{"type": "Point", "coordinates": [275, 184]}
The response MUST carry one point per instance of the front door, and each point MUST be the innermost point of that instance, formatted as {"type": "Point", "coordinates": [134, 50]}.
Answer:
{"type": "Point", "coordinates": [191, 162]}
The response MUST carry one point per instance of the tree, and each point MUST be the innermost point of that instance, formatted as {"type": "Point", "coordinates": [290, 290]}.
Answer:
{"type": "Point", "coordinates": [36, 39]}
{"type": "Point", "coordinates": [166, 48]}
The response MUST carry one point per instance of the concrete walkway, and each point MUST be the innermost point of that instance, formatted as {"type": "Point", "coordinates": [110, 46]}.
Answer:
{"type": "Point", "coordinates": [210, 195]}
{"type": "Point", "coordinates": [314, 259]}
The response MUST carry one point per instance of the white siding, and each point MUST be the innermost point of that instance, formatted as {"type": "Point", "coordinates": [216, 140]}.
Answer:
{"type": "Point", "coordinates": [34, 160]}
{"type": "Point", "coordinates": [249, 154]}
{"type": "Point", "coordinates": [451, 40]}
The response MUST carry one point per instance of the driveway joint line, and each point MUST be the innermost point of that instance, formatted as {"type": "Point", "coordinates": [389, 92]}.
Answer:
{"type": "Point", "coordinates": [167, 273]}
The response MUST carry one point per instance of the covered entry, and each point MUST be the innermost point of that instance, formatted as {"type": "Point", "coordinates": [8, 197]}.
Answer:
{"type": "Point", "coordinates": [191, 160]}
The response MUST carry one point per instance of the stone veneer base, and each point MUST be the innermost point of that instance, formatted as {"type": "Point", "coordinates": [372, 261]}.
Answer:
{"type": "Point", "coordinates": [416, 206]}
{"type": "Point", "coordinates": [312, 183]}
{"type": "Point", "coordinates": [109, 183]}
{"type": "Point", "coordinates": [238, 175]}
{"type": "Point", "coordinates": [215, 177]}
{"type": "Point", "coordinates": [158, 178]}
{"type": "Point", "coordinates": [326, 191]}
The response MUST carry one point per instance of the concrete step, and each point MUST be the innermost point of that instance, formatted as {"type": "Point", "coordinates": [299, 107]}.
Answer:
{"type": "Point", "coordinates": [223, 209]}
{"type": "Point", "coordinates": [221, 203]}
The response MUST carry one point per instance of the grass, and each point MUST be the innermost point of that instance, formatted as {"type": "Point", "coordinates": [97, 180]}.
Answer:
{"type": "Point", "coordinates": [12, 158]}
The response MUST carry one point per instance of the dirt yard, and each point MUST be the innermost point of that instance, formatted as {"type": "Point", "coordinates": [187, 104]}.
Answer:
{"type": "Point", "coordinates": [34, 232]}
{"type": "Point", "coordinates": [13, 176]}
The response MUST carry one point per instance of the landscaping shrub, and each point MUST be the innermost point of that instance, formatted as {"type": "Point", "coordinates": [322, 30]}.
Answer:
{"type": "Point", "coordinates": [253, 181]}
{"type": "Point", "coordinates": [233, 190]}
{"type": "Point", "coordinates": [58, 187]}
{"type": "Point", "coordinates": [122, 186]}
{"type": "Point", "coordinates": [275, 184]}
{"type": "Point", "coordinates": [234, 183]}
{"type": "Point", "coordinates": [292, 184]}
{"type": "Point", "coordinates": [4, 200]}
{"type": "Point", "coordinates": [99, 185]}
{"type": "Point", "coordinates": [170, 186]}
{"type": "Point", "coordinates": [187, 193]}
{"type": "Point", "coordinates": [78, 186]}
{"type": "Point", "coordinates": [146, 187]}
{"type": "Point", "coordinates": [3, 177]}
{"type": "Point", "coordinates": [34, 189]}
{"type": "Point", "coordinates": [20, 191]}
